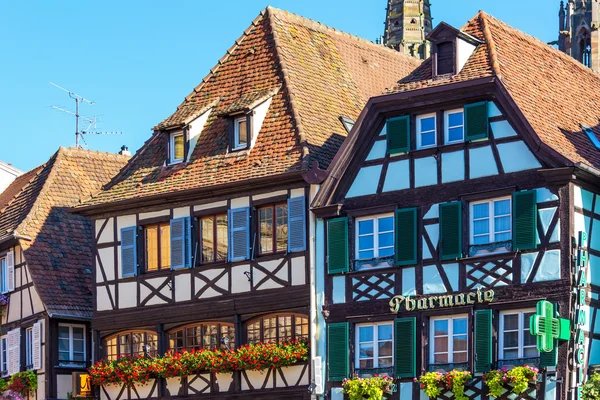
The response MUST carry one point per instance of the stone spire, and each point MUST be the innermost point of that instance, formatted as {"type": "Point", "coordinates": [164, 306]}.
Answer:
{"type": "Point", "coordinates": [579, 35]}
{"type": "Point", "coordinates": [407, 24]}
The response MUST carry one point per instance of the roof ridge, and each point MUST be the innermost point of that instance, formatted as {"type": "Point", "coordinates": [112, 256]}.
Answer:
{"type": "Point", "coordinates": [37, 170]}
{"type": "Point", "coordinates": [288, 86]}
{"type": "Point", "coordinates": [311, 23]}
{"type": "Point", "coordinates": [487, 34]}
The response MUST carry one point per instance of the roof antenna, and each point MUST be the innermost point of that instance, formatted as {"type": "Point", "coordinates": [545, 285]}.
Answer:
{"type": "Point", "coordinates": [91, 128]}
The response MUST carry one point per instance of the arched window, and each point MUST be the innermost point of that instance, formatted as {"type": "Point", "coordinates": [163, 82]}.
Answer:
{"type": "Point", "coordinates": [277, 328]}
{"type": "Point", "coordinates": [206, 334]}
{"type": "Point", "coordinates": [131, 343]}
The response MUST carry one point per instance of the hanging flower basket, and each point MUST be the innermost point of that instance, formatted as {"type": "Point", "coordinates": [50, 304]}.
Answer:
{"type": "Point", "coordinates": [367, 388]}
{"type": "Point", "coordinates": [515, 380]}
{"type": "Point", "coordinates": [433, 383]}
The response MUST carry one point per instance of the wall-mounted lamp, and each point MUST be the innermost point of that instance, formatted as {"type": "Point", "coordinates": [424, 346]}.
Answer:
{"type": "Point", "coordinates": [248, 275]}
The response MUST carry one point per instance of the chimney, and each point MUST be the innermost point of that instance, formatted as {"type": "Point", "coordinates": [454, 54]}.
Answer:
{"type": "Point", "coordinates": [124, 151]}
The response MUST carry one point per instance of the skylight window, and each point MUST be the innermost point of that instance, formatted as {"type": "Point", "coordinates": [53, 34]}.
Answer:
{"type": "Point", "coordinates": [590, 134]}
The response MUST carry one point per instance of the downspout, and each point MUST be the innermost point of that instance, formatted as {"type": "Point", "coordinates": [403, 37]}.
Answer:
{"type": "Point", "coordinates": [313, 294]}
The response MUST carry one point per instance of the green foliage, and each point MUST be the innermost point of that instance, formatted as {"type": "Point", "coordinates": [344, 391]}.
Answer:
{"type": "Point", "coordinates": [515, 380]}
{"type": "Point", "coordinates": [23, 383]}
{"type": "Point", "coordinates": [456, 381]}
{"type": "Point", "coordinates": [591, 389]}
{"type": "Point", "coordinates": [432, 383]}
{"type": "Point", "coordinates": [495, 381]}
{"type": "Point", "coordinates": [367, 388]}
{"type": "Point", "coordinates": [3, 385]}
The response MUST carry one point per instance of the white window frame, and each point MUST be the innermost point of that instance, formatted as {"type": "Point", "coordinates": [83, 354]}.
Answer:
{"type": "Point", "coordinates": [3, 275]}
{"type": "Point", "coordinates": [419, 138]}
{"type": "Point", "coordinates": [4, 355]}
{"type": "Point", "coordinates": [521, 330]}
{"type": "Point", "coordinates": [492, 233]}
{"type": "Point", "coordinates": [29, 348]}
{"type": "Point", "coordinates": [236, 133]}
{"type": "Point", "coordinates": [450, 319]}
{"type": "Point", "coordinates": [375, 342]}
{"type": "Point", "coordinates": [376, 233]}
{"type": "Point", "coordinates": [172, 159]}
{"type": "Point", "coordinates": [71, 347]}
{"type": "Point", "coordinates": [447, 126]}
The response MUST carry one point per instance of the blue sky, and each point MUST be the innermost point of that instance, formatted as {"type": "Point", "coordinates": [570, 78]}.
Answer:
{"type": "Point", "coordinates": [138, 59]}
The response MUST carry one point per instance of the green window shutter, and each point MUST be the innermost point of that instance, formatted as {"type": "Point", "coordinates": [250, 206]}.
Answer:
{"type": "Point", "coordinates": [405, 347]}
{"type": "Point", "coordinates": [337, 245]}
{"type": "Point", "coordinates": [451, 230]}
{"type": "Point", "coordinates": [338, 362]}
{"type": "Point", "coordinates": [476, 121]}
{"type": "Point", "coordinates": [398, 134]}
{"type": "Point", "coordinates": [524, 220]}
{"type": "Point", "coordinates": [406, 236]}
{"type": "Point", "coordinates": [483, 340]}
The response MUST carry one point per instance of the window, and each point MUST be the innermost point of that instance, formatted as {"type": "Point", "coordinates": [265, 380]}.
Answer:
{"type": "Point", "coordinates": [213, 238]}
{"type": "Point", "coordinates": [177, 147]}
{"type": "Point", "coordinates": [29, 348]}
{"type": "Point", "coordinates": [273, 229]}
{"type": "Point", "coordinates": [426, 132]}
{"type": "Point", "coordinates": [374, 344]}
{"type": "Point", "coordinates": [515, 341]}
{"type": "Point", "coordinates": [491, 221]}
{"type": "Point", "coordinates": [3, 275]}
{"type": "Point", "coordinates": [375, 237]}
{"type": "Point", "coordinates": [196, 337]}
{"type": "Point", "coordinates": [71, 343]}
{"type": "Point", "coordinates": [240, 133]}
{"type": "Point", "coordinates": [158, 246]}
{"type": "Point", "coordinates": [448, 340]}
{"type": "Point", "coordinates": [277, 328]}
{"type": "Point", "coordinates": [454, 126]}
{"type": "Point", "coordinates": [129, 344]}
{"type": "Point", "coordinates": [445, 58]}
{"type": "Point", "coordinates": [4, 355]}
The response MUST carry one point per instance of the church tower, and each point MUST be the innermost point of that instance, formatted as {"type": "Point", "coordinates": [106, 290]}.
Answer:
{"type": "Point", "coordinates": [407, 24]}
{"type": "Point", "coordinates": [578, 23]}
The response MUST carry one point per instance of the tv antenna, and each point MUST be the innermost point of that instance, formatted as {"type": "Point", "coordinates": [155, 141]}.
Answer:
{"type": "Point", "coordinates": [91, 128]}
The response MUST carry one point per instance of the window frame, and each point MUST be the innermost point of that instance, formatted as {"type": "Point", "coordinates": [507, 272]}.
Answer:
{"type": "Point", "coordinates": [29, 348]}
{"type": "Point", "coordinates": [71, 360]}
{"type": "Point", "coordinates": [159, 248]}
{"type": "Point", "coordinates": [431, 339]}
{"type": "Point", "coordinates": [214, 238]}
{"type": "Point", "coordinates": [521, 329]}
{"type": "Point", "coordinates": [172, 151]}
{"type": "Point", "coordinates": [188, 346]}
{"type": "Point", "coordinates": [375, 342]}
{"type": "Point", "coordinates": [447, 126]}
{"type": "Point", "coordinates": [130, 334]}
{"type": "Point", "coordinates": [3, 275]}
{"type": "Point", "coordinates": [277, 316]}
{"type": "Point", "coordinates": [273, 208]}
{"type": "Point", "coordinates": [236, 134]}
{"type": "Point", "coordinates": [491, 216]}
{"type": "Point", "coordinates": [376, 234]}
{"type": "Point", "coordinates": [4, 355]}
{"type": "Point", "coordinates": [419, 118]}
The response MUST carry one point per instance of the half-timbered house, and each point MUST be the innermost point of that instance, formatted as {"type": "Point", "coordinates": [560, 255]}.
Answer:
{"type": "Point", "coordinates": [204, 239]}
{"type": "Point", "coordinates": [454, 207]}
{"type": "Point", "coordinates": [46, 264]}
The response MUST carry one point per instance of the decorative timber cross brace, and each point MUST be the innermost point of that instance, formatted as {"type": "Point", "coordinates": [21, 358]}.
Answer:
{"type": "Point", "coordinates": [547, 327]}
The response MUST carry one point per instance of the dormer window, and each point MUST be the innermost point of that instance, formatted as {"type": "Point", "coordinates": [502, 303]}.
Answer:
{"type": "Point", "coordinates": [177, 147]}
{"type": "Point", "coordinates": [240, 133]}
{"type": "Point", "coordinates": [445, 58]}
{"type": "Point", "coordinates": [451, 49]}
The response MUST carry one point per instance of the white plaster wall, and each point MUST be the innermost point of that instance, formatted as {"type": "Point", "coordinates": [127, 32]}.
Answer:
{"type": "Point", "coordinates": [453, 166]}
{"type": "Point", "coordinates": [240, 202]}
{"type": "Point", "coordinates": [397, 176]}
{"type": "Point", "coordinates": [124, 221]}
{"type": "Point", "coordinates": [154, 214]}
{"type": "Point", "coordinates": [297, 192]}
{"type": "Point", "coordinates": [502, 129]}
{"type": "Point", "coordinates": [256, 378]}
{"type": "Point", "coordinates": [339, 289]}
{"type": "Point", "coordinates": [270, 266]}
{"type": "Point", "coordinates": [377, 150]}
{"type": "Point", "coordinates": [14, 308]}
{"type": "Point", "coordinates": [107, 256]}
{"type": "Point", "coordinates": [199, 384]}
{"type": "Point", "coordinates": [269, 195]}
{"type": "Point", "coordinates": [493, 110]}
{"type": "Point", "coordinates": [145, 391]}
{"type": "Point", "coordinates": [239, 281]}
{"type": "Point", "coordinates": [516, 156]}
{"type": "Point", "coordinates": [173, 386]}
{"type": "Point", "coordinates": [292, 375]}
{"type": "Point", "coordinates": [102, 299]}
{"type": "Point", "coordinates": [212, 274]}
{"type": "Point", "coordinates": [208, 206]}
{"type": "Point", "coordinates": [366, 181]}
{"type": "Point", "coordinates": [224, 381]}
{"type": "Point", "coordinates": [195, 128]}
{"type": "Point", "coordinates": [145, 292]}
{"type": "Point", "coordinates": [38, 305]}
{"type": "Point", "coordinates": [298, 271]}
{"type": "Point", "coordinates": [482, 162]}
{"type": "Point", "coordinates": [127, 294]}
{"type": "Point", "coordinates": [181, 212]}
{"type": "Point", "coordinates": [107, 233]}
{"type": "Point", "coordinates": [183, 289]}
{"type": "Point", "coordinates": [64, 384]}
{"type": "Point", "coordinates": [260, 112]}
{"type": "Point", "coordinates": [425, 171]}
{"type": "Point", "coordinates": [464, 50]}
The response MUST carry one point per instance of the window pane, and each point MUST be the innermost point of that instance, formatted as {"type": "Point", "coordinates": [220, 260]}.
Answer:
{"type": "Point", "coordinates": [455, 119]}
{"type": "Point", "coordinates": [386, 240]}
{"type": "Point", "coordinates": [529, 339]}
{"type": "Point", "coordinates": [363, 255]}
{"type": "Point", "coordinates": [530, 352]}
{"type": "Point", "coordinates": [165, 246]}
{"type": "Point", "coordinates": [366, 364]}
{"type": "Point", "coordinates": [365, 227]}
{"type": "Point", "coordinates": [301, 328]}
{"type": "Point", "coordinates": [481, 211]}
{"type": "Point", "coordinates": [124, 345]}
{"type": "Point", "coordinates": [428, 139]}
{"type": "Point", "coordinates": [460, 357]}
{"type": "Point", "coordinates": [386, 224]}
{"type": "Point", "coordinates": [78, 346]}
{"type": "Point", "coordinates": [243, 132]}
{"type": "Point", "coordinates": [281, 228]}
{"type": "Point", "coordinates": [502, 237]}
{"type": "Point", "coordinates": [440, 358]}
{"type": "Point", "coordinates": [427, 124]}
{"type": "Point", "coordinates": [501, 224]}
{"type": "Point", "coordinates": [265, 218]}
{"type": "Point", "coordinates": [64, 356]}
{"type": "Point", "coordinates": [455, 134]}
{"type": "Point", "coordinates": [285, 328]}
{"type": "Point", "coordinates": [385, 349]}
{"type": "Point", "coordinates": [481, 239]}
{"type": "Point", "coordinates": [178, 146]}
{"type": "Point", "coordinates": [440, 344]}
{"type": "Point", "coordinates": [384, 332]}
{"type": "Point", "coordinates": [208, 248]}
{"type": "Point", "coordinates": [481, 227]}
{"type": "Point", "coordinates": [389, 251]}
{"type": "Point", "coordinates": [210, 338]}
{"type": "Point", "coordinates": [63, 345]}
{"type": "Point", "coordinates": [511, 339]}
{"type": "Point", "coordinates": [78, 356]}
{"type": "Point", "coordinates": [511, 322]}
{"type": "Point", "coordinates": [366, 242]}
{"type": "Point", "coordinates": [459, 326]}
{"type": "Point", "coordinates": [365, 334]}
{"type": "Point", "coordinates": [63, 332]}
{"type": "Point", "coordinates": [222, 237]}
{"type": "Point", "coordinates": [386, 362]}
{"type": "Point", "coordinates": [511, 354]}
{"type": "Point", "coordinates": [77, 333]}
{"type": "Point", "coordinates": [151, 247]}
{"type": "Point", "coordinates": [253, 331]}
{"type": "Point", "coordinates": [460, 343]}
{"type": "Point", "coordinates": [502, 207]}
{"type": "Point", "coordinates": [228, 336]}
{"type": "Point", "coordinates": [440, 327]}
{"type": "Point", "coordinates": [366, 350]}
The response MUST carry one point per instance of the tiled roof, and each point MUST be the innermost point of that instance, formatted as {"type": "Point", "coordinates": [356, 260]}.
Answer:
{"type": "Point", "coordinates": [555, 93]}
{"type": "Point", "coordinates": [317, 74]}
{"type": "Point", "coordinates": [60, 254]}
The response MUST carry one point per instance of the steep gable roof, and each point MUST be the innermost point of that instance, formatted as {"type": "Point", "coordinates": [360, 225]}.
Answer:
{"type": "Point", "coordinates": [555, 93]}
{"type": "Point", "coordinates": [59, 244]}
{"type": "Point", "coordinates": [316, 75]}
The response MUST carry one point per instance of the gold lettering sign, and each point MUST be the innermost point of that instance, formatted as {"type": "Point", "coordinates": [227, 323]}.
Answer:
{"type": "Point", "coordinates": [442, 301]}
{"type": "Point", "coordinates": [82, 386]}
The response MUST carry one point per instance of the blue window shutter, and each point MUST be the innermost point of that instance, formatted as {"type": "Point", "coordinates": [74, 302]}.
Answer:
{"type": "Point", "coordinates": [178, 231]}
{"type": "Point", "coordinates": [239, 234]}
{"type": "Point", "coordinates": [296, 224]}
{"type": "Point", "coordinates": [129, 251]}
{"type": "Point", "coordinates": [188, 242]}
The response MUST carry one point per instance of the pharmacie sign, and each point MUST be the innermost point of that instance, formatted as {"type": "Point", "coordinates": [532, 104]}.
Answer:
{"type": "Point", "coordinates": [411, 303]}
{"type": "Point", "coordinates": [580, 316]}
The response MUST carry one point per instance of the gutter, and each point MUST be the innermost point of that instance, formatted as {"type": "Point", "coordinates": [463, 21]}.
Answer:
{"type": "Point", "coordinates": [14, 236]}
{"type": "Point", "coordinates": [68, 316]}
{"type": "Point", "coordinates": [587, 168]}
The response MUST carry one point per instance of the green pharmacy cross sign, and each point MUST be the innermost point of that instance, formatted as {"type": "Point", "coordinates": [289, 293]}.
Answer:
{"type": "Point", "coordinates": [547, 327]}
